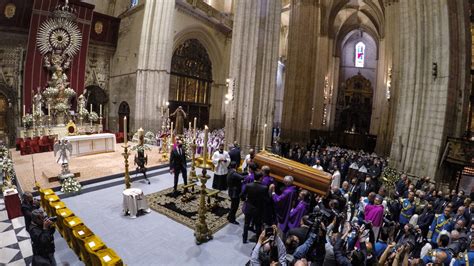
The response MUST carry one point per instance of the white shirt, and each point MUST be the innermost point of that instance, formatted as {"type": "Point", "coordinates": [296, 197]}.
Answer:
{"type": "Point", "coordinates": [336, 179]}
{"type": "Point", "coordinates": [221, 166]}
{"type": "Point", "coordinates": [318, 167]}
{"type": "Point", "coordinates": [244, 164]}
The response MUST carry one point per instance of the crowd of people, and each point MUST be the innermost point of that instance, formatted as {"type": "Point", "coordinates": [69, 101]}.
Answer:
{"type": "Point", "coordinates": [358, 222]}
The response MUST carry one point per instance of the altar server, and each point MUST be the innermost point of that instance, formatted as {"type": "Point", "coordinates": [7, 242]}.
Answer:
{"type": "Point", "coordinates": [221, 160]}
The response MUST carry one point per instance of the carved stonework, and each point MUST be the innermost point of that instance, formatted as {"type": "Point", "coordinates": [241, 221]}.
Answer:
{"type": "Point", "coordinates": [98, 67]}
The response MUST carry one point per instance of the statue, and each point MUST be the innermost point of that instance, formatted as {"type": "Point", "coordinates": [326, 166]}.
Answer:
{"type": "Point", "coordinates": [37, 101]}
{"type": "Point", "coordinates": [81, 102]}
{"type": "Point", "coordinates": [141, 160]}
{"type": "Point", "coordinates": [62, 146]}
{"type": "Point", "coordinates": [180, 116]}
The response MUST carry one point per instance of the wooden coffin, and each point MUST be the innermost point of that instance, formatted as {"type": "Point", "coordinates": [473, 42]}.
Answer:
{"type": "Point", "coordinates": [304, 176]}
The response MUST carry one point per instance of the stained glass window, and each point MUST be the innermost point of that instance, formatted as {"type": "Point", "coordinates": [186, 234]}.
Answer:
{"type": "Point", "coordinates": [359, 54]}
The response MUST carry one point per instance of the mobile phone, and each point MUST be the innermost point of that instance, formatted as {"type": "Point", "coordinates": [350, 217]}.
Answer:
{"type": "Point", "coordinates": [268, 231]}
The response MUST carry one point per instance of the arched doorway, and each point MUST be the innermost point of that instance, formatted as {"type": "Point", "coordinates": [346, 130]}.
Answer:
{"type": "Point", "coordinates": [96, 96]}
{"type": "Point", "coordinates": [191, 80]}
{"type": "Point", "coordinates": [124, 111]}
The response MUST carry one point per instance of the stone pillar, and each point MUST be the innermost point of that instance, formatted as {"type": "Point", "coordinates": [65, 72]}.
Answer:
{"type": "Point", "coordinates": [253, 67]}
{"type": "Point", "coordinates": [430, 107]}
{"type": "Point", "coordinates": [154, 63]}
{"type": "Point", "coordinates": [301, 70]}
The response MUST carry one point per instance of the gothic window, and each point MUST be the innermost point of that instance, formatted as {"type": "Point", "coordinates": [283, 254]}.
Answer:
{"type": "Point", "coordinates": [359, 54]}
{"type": "Point", "coordinates": [133, 3]}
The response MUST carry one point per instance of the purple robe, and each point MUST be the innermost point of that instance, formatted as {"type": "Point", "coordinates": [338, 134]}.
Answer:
{"type": "Point", "coordinates": [283, 204]}
{"type": "Point", "coordinates": [297, 213]}
{"type": "Point", "coordinates": [374, 213]}
{"type": "Point", "coordinates": [267, 180]}
{"type": "Point", "coordinates": [250, 178]}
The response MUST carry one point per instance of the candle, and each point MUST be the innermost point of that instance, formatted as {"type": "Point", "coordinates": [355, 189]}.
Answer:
{"type": "Point", "coordinates": [91, 107]}
{"type": "Point", "coordinates": [264, 133]}
{"type": "Point", "coordinates": [189, 127]}
{"type": "Point", "coordinates": [124, 129]}
{"type": "Point", "coordinates": [194, 133]}
{"type": "Point", "coordinates": [40, 110]}
{"type": "Point", "coordinates": [24, 110]}
{"type": "Point", "coordinates": [204, 156]}
{"type": "Point", "coordinates": [49, 109]}
{"type": "Point", "coordinates": [33, 112]}
{"type": "Point", "coordinates": [100, 106]}
{"type": "Point", "coordinates": [162, 111]}
{"type": "Point", "coordinates": [171, 134]}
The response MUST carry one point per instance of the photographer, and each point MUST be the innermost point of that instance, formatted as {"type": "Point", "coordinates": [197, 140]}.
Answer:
{"type": "Point", "coordinates": [351, 256]}
{"type": "Point", "coordinates": [269, 249]}
{"type": "Point", "coordinates": [42, 238]}
{"type": "Point", "coordinates": [28, 204]}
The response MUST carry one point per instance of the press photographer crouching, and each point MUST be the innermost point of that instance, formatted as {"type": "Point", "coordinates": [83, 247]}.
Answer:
{"type": "Point", "coordinates": [269, 249]}
{"type": "Point", "coordinates": [42, 238]}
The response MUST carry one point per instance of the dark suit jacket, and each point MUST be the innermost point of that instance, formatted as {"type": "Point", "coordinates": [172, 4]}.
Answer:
{"type": "Point", "coordinates": [256, 197]}
{"type": "Point", "coordinates": [365, 189]}
{"type": "Point", "coordinates": [355, 194]}
{"type": "Point", "coordinates": [234, 183]}
{"type": "Point", "coordinates": [425, 220]}
{"type": "Point", "coordinates": [178, 161]}
{"type": "Point", "coordinates": [234, 155]}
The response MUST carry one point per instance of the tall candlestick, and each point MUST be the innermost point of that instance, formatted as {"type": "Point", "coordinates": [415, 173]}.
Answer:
{"type": "Point", "coordinates": [100, 106]}
{"type": "Point", "coordinates": [264, 133]}
{"type": "Point", "coordinates": [49, 109]}
{"type": "Point", "coordinates": [24, 110]}
{"type": "Point", "coordinates": [171, 134]}
{"type": "Point", "coordinates": [204, 155]}
{"type": "Point", "coordinates": [195, 122]}
{"type": "Point", "coordinates": [80, 111]}
{"type": "Point", "coordinates": [124, 129]}
{"type": "Point", "coordinates": [91, 107]}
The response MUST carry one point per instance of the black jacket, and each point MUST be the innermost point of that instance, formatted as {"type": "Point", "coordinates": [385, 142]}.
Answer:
{"type": "Point", "coordinates": [178, 161]}
{"type": "Point", "coordinates": [234, 155]}
{"type": "Point", "coordinates": [424, 221]}
{"type": "Point", "coordinates": [354, 195]}
{"type": "Point", "coordinates": [26, 210]}
{"type": "Point", "coordinates": [42, 240]}
{"type": "Point", "coordinates": [365, 189]}
{"type": "Point", "coordinates": [256, 197]}
{"type": "Point", "coordinates": [234, 183]}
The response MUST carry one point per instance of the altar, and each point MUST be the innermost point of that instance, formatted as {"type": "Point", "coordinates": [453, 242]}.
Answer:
{"type": "Point", "coordinates": [92, 144]}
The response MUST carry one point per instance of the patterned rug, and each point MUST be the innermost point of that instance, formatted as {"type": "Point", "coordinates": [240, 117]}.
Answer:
{"type": "Point", "coordinates": [186, 213]}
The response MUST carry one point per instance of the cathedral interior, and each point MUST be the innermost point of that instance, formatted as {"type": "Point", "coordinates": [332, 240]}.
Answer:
{"type": "Point", "coordinates": [392, 78]}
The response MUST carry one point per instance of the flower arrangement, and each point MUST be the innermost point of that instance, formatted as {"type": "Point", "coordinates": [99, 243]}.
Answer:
{"type": "Point", "coordinates": [7, 167]}
{"type": "Point", "coordinates": [83, 113]}
{"type": "Point", "coordinates": [27, 120]}
{"type": "Point", "coordinates": [93, 116]}
{"type": "Point", "coordinates": [61, 107]}
{"type": "Point", "coordinates": [70, 185]}
{"type": "Point", "coordinates": [69, 92]}
{"type": "Point", "coordinates": [50, 92]}
{"type": "Point", "coordinates": [3, 152]}
{"type": "Point", "coordinates": [141, 148]}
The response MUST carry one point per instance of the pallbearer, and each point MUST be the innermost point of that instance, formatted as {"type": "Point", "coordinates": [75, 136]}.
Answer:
{"type": "Point", "coordinates": [221, 160]}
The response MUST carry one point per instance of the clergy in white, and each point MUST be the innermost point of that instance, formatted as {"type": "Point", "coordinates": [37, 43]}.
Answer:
{"type": "Point", "coordinates": [221, 160]}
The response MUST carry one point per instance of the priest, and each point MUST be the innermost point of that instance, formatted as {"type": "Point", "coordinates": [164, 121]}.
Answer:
{"type": "Point", "coordinates": [283, 202]}
{"type": "Point", "coordinates": [221, 161]}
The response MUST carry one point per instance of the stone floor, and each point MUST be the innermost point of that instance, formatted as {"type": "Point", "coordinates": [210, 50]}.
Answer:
{"type": "Point", "coordinates": [15, 244]}
{"type": "Point", "coordinates": [154, 239]}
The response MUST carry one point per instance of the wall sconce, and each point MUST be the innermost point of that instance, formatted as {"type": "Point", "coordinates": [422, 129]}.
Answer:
{"type": "Point", "coordinates": [230, 84]}
{"type": "Point", "coordinates": [435, 70]}
{"type": "Point", "coordinates": [389, 83]}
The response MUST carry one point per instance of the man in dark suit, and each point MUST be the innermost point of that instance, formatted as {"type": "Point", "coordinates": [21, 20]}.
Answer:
{"type": "Point", "coordinates": [234, 183]}
{"type": "Point", "coordinates": [234, 155]}
{"type": "Point", "coordinates": [256, 197]}
{"type": "Point", "coordinates": [178, 165]}
{"type": "Point", "coordinates": [425, 219]}
{"type": "Point", "coordinates": [366, 187]}
{"type": "Point", "coordinates": [354, 191]}
{"type": "Point", "coordinates": [28, 204]}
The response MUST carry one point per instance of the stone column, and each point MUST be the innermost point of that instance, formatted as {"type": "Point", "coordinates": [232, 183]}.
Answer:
{"type": "Point", "coordinates": [253, 67]}
{"type": "Point", "coordinates": [154, 63]}
{"type": "Point", "coordinates": [301, 70]}
{"type": "Point", "coordinates": [430, 107]}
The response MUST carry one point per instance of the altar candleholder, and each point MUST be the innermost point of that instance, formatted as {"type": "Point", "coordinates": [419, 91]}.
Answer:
{"type": "Point", "coordinates": [202, 232]}
{"type": "Point", "coordinates": [125, 155]}
{"type": "Point", "coordinates": [192, 173]}
{"type": "Point", "coordinates": [49, 125]}
{"type": "Point", "coordinates": [100, 125]}
{"type": "Point", "coordinates": [34, 127]}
